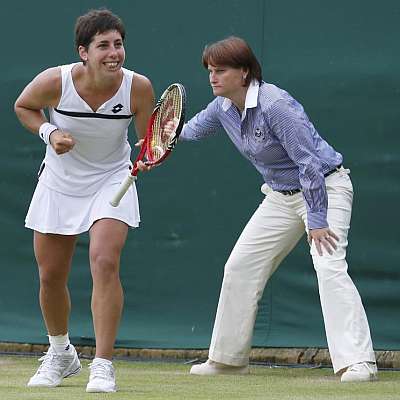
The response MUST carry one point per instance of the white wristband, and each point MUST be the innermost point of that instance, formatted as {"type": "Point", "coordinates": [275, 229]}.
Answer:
{"type": "Point", "coordinates": [45, 130]}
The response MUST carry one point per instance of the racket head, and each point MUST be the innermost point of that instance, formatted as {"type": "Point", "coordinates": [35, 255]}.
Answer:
{"type": "Point", "coordinates": [172, 105]}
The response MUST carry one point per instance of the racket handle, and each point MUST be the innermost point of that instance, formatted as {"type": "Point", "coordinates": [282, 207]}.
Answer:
{"type": "Point", "coordinates": [126, 184]}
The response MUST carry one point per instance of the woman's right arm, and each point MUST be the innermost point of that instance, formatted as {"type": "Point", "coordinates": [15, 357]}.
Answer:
{"type": "Point", "coordinates": [42, 92]}
{"type": "Point", "coordinates": [203, 124]}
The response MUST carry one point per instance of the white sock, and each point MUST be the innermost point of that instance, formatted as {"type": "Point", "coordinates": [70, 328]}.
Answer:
{"type": "Point", "coordinates": [101, 360]}
{"type": "Point", "coordinates": [60, 343]}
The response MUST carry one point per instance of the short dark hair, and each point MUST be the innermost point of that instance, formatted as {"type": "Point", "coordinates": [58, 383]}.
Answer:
{"type": "Point", "coordinates": [233, 52]}
{"type": "Point", "coordinates": [96, 21]}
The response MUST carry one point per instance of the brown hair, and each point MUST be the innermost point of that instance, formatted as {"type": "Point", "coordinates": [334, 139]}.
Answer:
{"type": "Point", "coordinates": [233, 52]}
{"type": "Point", "coordinates": [96, 21]}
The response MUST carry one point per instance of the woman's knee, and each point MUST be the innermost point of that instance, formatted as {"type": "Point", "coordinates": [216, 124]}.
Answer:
{"type": "Point", "coordinates": [104, 266]}
{"type": "Point", "coordinates": [331, 270]}
{"type": "Point", "coordinates": [51, 276]}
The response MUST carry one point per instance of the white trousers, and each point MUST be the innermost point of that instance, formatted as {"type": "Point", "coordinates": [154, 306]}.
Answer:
{"type": "Point", "coordinates": [272, 232]}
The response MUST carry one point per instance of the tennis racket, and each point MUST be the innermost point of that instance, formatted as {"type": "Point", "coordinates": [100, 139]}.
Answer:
{"type": "Point", "coordinates": [157, 145]}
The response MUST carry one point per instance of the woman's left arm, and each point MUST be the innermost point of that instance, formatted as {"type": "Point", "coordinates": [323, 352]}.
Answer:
{"type": "Point", "coordinates": [292, 127]}
{"type": "Point", "coordinates": [142, 103]}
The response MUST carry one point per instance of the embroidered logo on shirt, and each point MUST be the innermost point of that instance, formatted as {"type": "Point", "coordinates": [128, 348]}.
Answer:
{"type": "Point", "coordinates": [117, 108]}
{"type": "Point", "coordinates": [259, 135]}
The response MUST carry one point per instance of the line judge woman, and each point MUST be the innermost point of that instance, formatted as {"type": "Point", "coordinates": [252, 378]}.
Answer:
{"type": "Point", "coordinates": [306, 190]}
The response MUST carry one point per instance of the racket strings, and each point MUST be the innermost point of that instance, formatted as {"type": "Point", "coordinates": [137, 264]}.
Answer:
{"type": "Point", "coordinates": [170, 108]}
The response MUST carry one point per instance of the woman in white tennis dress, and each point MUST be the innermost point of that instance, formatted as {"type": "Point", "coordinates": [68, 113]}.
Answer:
{"type": "Point", "coordinates": [90, 105]}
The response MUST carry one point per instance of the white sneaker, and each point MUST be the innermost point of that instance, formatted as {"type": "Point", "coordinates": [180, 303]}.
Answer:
{"type": "Point", "coordinates": [102, 378]}
{"type": "Point", "coordinates": [214, 368]}
{"type": "Point", "coordinates": [55, 367]}
{"type": "Point", "coordinates": [360, 372]}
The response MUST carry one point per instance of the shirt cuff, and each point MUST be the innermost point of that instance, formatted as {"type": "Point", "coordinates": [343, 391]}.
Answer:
{"type": "Point", "coordinates": [317, 220]}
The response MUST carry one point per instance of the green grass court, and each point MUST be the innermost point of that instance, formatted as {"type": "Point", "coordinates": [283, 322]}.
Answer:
{"type": "Point", "coordinates": [168, 381]}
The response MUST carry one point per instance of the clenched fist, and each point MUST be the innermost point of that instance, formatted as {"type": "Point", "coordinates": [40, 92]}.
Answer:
{"type": "Point", "coordinates": [62, 142]}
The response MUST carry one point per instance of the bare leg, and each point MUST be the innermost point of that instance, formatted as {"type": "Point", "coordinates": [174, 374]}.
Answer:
{"type": "Point", "coordinates": [107, 238]}
{"type": "Point", "coordinates": [53, 255]}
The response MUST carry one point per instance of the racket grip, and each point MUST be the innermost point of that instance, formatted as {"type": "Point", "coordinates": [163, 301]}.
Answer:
{"type": "Point", "coordinates": [126, 184]}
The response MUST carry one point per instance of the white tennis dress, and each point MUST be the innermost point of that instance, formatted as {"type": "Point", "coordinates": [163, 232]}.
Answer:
{"type": "Point", "coordinates": [75, 188]}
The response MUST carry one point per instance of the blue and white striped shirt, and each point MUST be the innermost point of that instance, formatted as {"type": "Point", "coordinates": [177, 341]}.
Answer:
{"type": "Point", "coordinates": [276, 136]}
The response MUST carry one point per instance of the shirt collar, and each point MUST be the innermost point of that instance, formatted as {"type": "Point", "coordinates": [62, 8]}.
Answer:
{"type": "Point", "coordinates": [251, 98]}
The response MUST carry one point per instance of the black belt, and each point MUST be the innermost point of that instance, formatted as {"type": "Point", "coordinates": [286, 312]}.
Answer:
{"type": "Point", "coordinates": [289, 192]}
{"type": "Point", "coordinates": [332, 171]}
{"type": "Point", "coordinates": [294, 191]}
